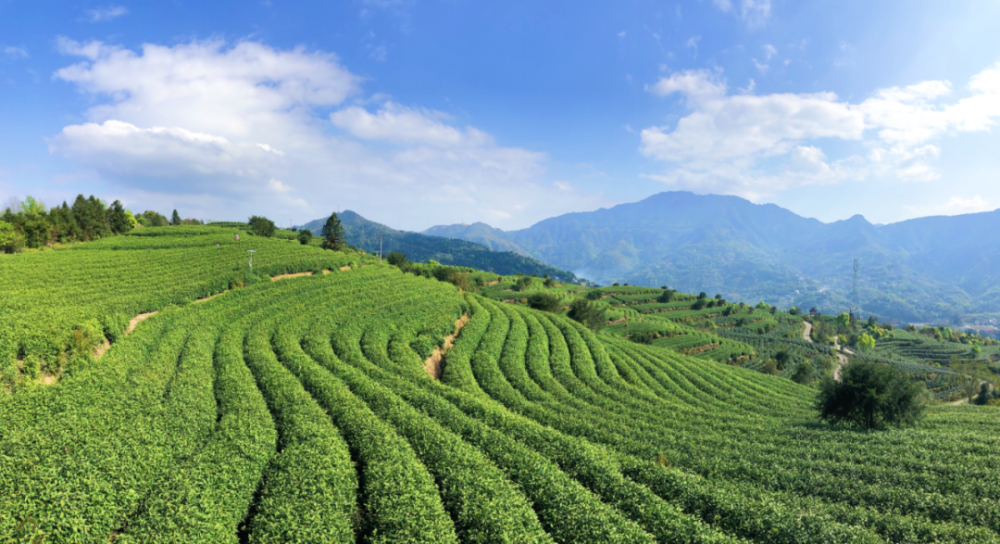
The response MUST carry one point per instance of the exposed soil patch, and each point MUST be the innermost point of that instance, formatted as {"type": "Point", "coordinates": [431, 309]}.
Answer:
{"type": "Point", "coordinates": [286, 276]}
{"type": "Point", "coordinates": [494, 282]}
{"type": "Point", "coordinates": [345, 268]}
{"type": "Point", "coordinates": [47, 379]}
{"type": "Point", "coordinates": [433, 365]}
{"type": "Point", "coordinates": [139, 319]}
{"type": "Point", "coordinates": [210, 297]}
{"type": "Point", "coordinates": [617, 321]}
{"type": "Point", "coordinates": [101, 349]}
{"type": "Point", "coordinates": [702, 349]}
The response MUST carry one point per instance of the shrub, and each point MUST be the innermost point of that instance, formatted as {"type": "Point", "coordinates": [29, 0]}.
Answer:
{"type": "Point", "coordinates": [305, 236]}
{"type": "Point", "coordinates": [871, 396]}
{"type": "Point", "coordinates": [804, 373]}
{"type": "Point", "coordinates": [261, 226]}
{"type": "Point", "coordinates": [333, 234]}
{"type": "Point", "coordinates": [587, 313]}
{"type": "Point", "coordinates": [396, 258]}
{"type": "Point", "coordinates": [544, 302]}
{"type": "Point", "coordinates": [461, 280]}
{"type": "Point", "coordinates": [667, 296]}
{"type": "Point", "coordinates": [593, 294]}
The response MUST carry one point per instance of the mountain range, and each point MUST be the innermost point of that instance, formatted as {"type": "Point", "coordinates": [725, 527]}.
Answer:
{"type": "Point", "coordinates": [367, 235]}
{"type": "Point", "coordinates": [931, 268]}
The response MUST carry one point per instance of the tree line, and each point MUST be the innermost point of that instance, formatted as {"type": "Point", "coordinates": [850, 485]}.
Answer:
{"type": "Point", "coordinates": [29, 224]}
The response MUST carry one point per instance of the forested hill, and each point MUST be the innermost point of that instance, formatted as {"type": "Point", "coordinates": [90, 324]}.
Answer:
{"type": "Point", "coordinates": [917, 270]}
{"type": "Point", "coordinates": [364, 234]}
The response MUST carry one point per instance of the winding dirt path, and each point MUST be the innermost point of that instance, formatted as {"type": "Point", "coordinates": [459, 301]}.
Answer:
{"type": "Point", "coordinates": [434, 364]}
{"type": "Point", "coordinates": [841, 358]}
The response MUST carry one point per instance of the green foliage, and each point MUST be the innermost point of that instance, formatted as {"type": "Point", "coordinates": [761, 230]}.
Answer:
{"type": "Point", "coordinates": [118, 218]}
{"type": "Point", "coordinates": [304, 237]}
{"type": "Point", "coordinates": [396, 258]}
{"type": "Point", "coordinates": [589, 314]}
{"type": "Point", "coordinates": [175, 218]}
{"type": "Point", "coordinates": [871, 396]}
{"type": "Point", "coordinates": [7, 237]}
{"type": "Point", "coordinates": [333, 234]}
{"type": "Point", "coordinates": [866, 342]}
{"type": "Point", "coordinates": [261, 226]}
{"type": "Point", "coordinates": [544, 302]}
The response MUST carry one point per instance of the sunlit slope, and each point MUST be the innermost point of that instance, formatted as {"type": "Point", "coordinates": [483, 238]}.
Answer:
{"type": "Point", "coordinates": [300, 411]}
{"type": "Point", "coordinates": [44, 295]}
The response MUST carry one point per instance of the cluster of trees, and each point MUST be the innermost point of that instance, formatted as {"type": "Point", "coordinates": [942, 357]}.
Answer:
{"type": "Point", "coordinates": [947, 334]}
{"type": "Point", "coordinates": [30, 224]}
{"type": "Point", "coordinates": [458, 276]}
{"type": "Point", "coordinates": [705, 302]}
{"type": "Point", "coordinates": [871, 396]}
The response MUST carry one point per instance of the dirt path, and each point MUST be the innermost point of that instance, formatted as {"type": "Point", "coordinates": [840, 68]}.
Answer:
{"type": "Point", "coordinates": [139, 319]}
{"type": "Point", "coordinates": [841, 358]}
{"type": "Point", "coordinates": [433, 365]}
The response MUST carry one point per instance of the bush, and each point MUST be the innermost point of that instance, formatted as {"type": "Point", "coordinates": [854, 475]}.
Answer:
{"type": "Point", "coordinates": [594, 294]}
{"type": "Point", "coordinates": [804, 373]}
{"type": "Point", "coordinates": [305, 237]}
{"type": "Point", "coordinates": [261, 226]}
{"type": "Point", "coordinates": [667, 296]}
{"type": "Point", "coordinates": [589, 314]}
{"type": "Point", "coordinates": [871, 396]}
{"type": "Point", "coordinates": [544, 302]}
{"type": "Point", "coordinates": [396, 258]}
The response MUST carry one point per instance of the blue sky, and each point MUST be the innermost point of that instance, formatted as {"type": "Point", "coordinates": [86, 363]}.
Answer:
{"type": "Point", "coordinates": [416, 113]}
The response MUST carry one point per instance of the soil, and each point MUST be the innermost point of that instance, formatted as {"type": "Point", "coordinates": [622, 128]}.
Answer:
{"type": "Point", "coordinates": [434, 364]}
{"type": "Point", "coordinates": [345, 268]}
{"type": "Point", "coordinates": [286, 276]}
{"type": "Point", "coordinates": [139, 319]}
{"type": "Point", "coordinates": [841, 358]}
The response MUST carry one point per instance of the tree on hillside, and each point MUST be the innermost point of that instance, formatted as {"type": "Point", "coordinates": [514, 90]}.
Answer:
{"type": "Point", "coordinates": [804, 373]}
{"type": "Point", "coordinates": [333, 234]}
{"type": "Point", "coordinates": [261, 226]}
{"type": "Point", "coordinates": [544, 302]}
{"type": "Point", "coordinates": [7, 237]}
{"type": "Point", "coordinates": [871, 396]}
{"type": "Point", "coordinates": [589, 314]}
{"type": "Point", "coordinates": [175, 218]}
{"type": "Point", "coordinates": [118, 219]}
{"type": "Point", "coordinates": [866, 342]}
{"type": "Point", "coordinates": [667, 295]}
{"type": "Point", "coordinates": [305, 236]}
{"type": "Point", "coordinates": [396, 258]}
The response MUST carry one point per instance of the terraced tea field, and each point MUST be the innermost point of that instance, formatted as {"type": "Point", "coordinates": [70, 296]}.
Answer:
{"type": "Point", "coordinates": [300, 411]}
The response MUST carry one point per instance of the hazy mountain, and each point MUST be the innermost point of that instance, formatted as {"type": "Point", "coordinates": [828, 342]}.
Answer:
{"type": "Point", "coordinates": [364, 234]}
{"type": "Point", "coordinates": [927, 268]}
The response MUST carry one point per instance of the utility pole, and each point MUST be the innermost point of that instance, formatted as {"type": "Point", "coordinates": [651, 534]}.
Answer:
{"type": "Point", "coordinates": [250, 263]}
{"type": "Point", "coordinates": [380, 247]}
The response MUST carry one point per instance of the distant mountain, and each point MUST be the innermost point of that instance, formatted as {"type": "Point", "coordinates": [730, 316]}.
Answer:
{"type": "Point", "coordinates": [921, 269]}
{"type": "Point", "coordinates": [364, 234]}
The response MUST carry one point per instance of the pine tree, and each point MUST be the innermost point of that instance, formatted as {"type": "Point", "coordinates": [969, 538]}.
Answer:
{"type": "Point", "coordinates": [118, 219]}
{"type": "Point", "coordinates": [175, 219]}
{"type": "Point", "coordinates": [333, 234]}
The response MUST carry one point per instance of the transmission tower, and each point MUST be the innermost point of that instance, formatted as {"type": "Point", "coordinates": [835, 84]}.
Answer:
{"type": "Point", "coordinates": [855, 298]}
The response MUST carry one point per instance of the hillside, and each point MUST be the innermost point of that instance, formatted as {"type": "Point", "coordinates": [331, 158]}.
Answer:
{"type": "Point", "coordinates": [364, 234]}
{"type": "Point", "coordinates": [917, 270]}
{"type": "Point", "coordinates": [300, 410]}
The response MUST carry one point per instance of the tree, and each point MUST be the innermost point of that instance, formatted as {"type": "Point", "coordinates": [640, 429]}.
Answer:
{"type": "Point", "coordinates": [667, 296]}
{"type": "Point", "coordinates": [871, 396]}
{"type": "Point", "coordinates": [594, 294]}
{"type": "Point", "coordinates": [396, 258]}
{"type": "Point", "coordinates": [7, 237]}
{"type": "Point", "coordinates": [866, 342]}
{"type": "Point", "coordinates": [782, 358]}
{"type": "Point", "coordinates": [523, 283]}
{"type": "Point", "coordinates": [118, 219]}
{"type": "Point", "coordinates": [175, 218]}
{"type": "Point", "coordinates": [333, 234]}
{"type": "Point", "coordinates": [589, 314]}
{"type": "Point", "coordinates": [544, 302]}
{"type": "Point", "coordinates": [844, 321]}
{"type": "Point", "coordinates": [549, 282]}
{"type": "Point", "coordinates": [804, 373]}
{"type": "Point", "coordinates": [305, 236]}
{"type": "Point", "coordinates": [261, 226]}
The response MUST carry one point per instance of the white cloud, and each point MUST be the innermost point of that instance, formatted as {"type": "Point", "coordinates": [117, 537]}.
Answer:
{"type": "Point", "coordinates": [752, 12]}
{"type": "Point", "coordinates": [13, 53]}
{"type": "Point", "coordinates": [106, 13]}
{"type": "Point", "coordinates": [740, 143]}
{"type": "Point", "coordinates": [958, 205]}
{"type": "Point", "coordinates": [249, 125]}
{"type": "Point", "coordinates": [696, 85]}
{"type": "Point", "coordinates": [760, 66]}
{"type": "Point", "coordinates": [621, 34]}
{"type": "Point", "coordinates": [563, 185]}
{"type": "Point", "coordinates": [769, 51]}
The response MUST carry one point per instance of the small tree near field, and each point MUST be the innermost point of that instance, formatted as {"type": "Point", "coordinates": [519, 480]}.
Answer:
{"type": "Point", "coordinates": [333, 234]}
{"type": "Point", "coordinates": [544, 302]}
{"type": "Point", "coordinates": [305, 236]}
{"type": "Point", "coordinates": [396, 258]}
{"type": "Point", "coordinates": [866, 342]}
{"type": "Point", "coordinates": [7, 237]}
{"type": "Point", "coordinates": [175, 218]}
{"type": "Point", "coordinates": [871, 396]}
{"type": "Point", "coordinates": [589, 314]}
{"type": "Point", "coordinates": [261, 226]}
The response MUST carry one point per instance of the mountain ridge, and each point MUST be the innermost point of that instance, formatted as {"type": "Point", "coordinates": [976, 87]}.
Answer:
{"type": "Point", "coordinates": [919, 269]}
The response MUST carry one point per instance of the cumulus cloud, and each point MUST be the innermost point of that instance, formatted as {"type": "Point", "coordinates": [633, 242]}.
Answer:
{"type": "Point", "coordinates": [251, 125]}
{"type": "Point", "coordinates": [106, 13]}
{"type": "Point", "coordinates": [736, 143]}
